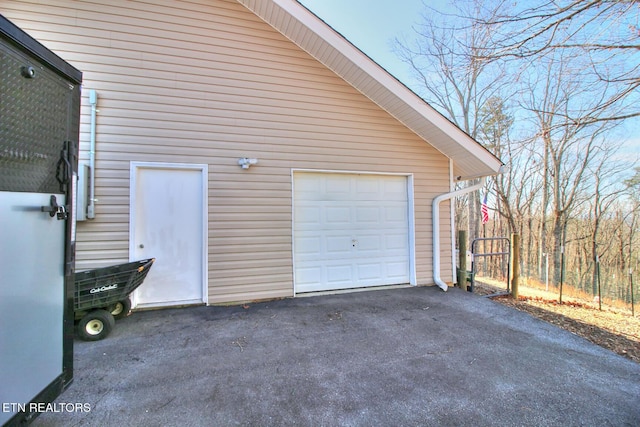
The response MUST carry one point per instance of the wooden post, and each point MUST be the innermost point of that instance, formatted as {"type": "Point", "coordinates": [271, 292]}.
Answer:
{"type": "Point", "coordinates": [599, 287]}
{"type": "Point", "coordinates": [515, 264]}
{"type": "Point", "coordinates": [633, 311]}
{"type": "Point", "coordinates": [462, 259]}
{"type": "Point", "coordinates": [561, 270]}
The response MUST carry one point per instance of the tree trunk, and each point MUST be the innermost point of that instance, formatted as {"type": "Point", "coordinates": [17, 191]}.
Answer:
{"type": "Point", "coordinates": [558, 243]}
{"type": "Point", "coordinates": [542, 248]}
{"type": "Point", "coordinates": [529, 246]}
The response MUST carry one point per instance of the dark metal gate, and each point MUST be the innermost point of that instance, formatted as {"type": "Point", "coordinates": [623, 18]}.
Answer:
{"type": "Point", "coordinates": [475, 254]}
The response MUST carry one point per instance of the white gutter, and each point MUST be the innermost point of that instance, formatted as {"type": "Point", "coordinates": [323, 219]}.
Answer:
{"type": "Point", "coordinates": [436, 228]}
{"type": "Point", "coordinates": [93, 100]}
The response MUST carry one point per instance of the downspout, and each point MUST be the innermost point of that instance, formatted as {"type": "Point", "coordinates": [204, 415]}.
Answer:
{"type": "Point", "coordinates": [452, 218]}
{"type": "Point", "coordinates": [93, 100]}
{"type": "Point", "coordinates": [436, 228]}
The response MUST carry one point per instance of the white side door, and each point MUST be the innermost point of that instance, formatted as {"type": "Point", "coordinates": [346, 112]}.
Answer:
{"type": "Point", "coordinates": [168, 223]}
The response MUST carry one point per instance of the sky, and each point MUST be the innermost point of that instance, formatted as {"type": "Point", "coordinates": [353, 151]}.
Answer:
{"type": "Point", "coordinates": [371, 25]}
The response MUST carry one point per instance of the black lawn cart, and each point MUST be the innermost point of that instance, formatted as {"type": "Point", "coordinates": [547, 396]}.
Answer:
{"type": "Point", "coordinates": [102, 296]}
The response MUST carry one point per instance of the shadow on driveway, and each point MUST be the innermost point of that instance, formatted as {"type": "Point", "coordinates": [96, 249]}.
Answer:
{"type": "Point", "coordinates": [401, 357]}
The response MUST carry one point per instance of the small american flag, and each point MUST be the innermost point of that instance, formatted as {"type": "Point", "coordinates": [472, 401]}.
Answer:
{"type": "Point", "coordinates": [485, 210]}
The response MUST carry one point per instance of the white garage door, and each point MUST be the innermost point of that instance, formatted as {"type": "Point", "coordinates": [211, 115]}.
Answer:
{"type": "Point", "coordinates": [350, 231]}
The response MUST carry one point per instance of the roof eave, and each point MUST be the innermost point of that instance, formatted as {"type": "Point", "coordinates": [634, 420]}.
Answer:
{"type": "Point", "coordinates": [318, 39]}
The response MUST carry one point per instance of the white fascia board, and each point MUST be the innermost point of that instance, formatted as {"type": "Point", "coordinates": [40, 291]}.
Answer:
{"type": "Point", "coordinates": [451, 139]}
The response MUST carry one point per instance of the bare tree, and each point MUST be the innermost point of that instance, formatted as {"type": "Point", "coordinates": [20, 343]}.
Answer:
{"type": "Point", "coordinates": [447, 58]}
{"type": "Point", "coordinates": [604, 35]}
{"type": "Point", "coordinates": [554, 93]}
{"type": "Point", "coordinates": [542, 86]}
{"type": "Point", "coordinates": [494, 135]}
{"type": "Point", "coordinates": [605, 191]}
{"type": "Point", "coordinates": [633, 219]}
{"type": "Point", "coordinates": [518, 187]}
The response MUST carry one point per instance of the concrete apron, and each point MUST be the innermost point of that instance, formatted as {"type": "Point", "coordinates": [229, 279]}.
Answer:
{"type": "Point", "coordinates": [411, 357]}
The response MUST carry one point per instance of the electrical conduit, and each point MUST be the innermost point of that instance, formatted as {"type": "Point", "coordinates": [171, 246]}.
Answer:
{"type": "Point", "coordinates": [93, 101]}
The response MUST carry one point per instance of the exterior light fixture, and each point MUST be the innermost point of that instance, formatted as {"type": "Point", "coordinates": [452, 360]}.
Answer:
{"type": "Point", "coordinates": [245, 162]}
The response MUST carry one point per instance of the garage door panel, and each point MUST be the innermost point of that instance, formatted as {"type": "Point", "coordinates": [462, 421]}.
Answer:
{"type": "Point", "coordinates": [368, 214]}
{"type": "Point", "coordinates": [307, 215]}
{"type": "Point", "coordinates": [340, 275]}
{"type": "Point", "coordinates": [338, 245]}
{"type": "Point", "coordinates": [395, 242]}
{"type": "Point", "coordinates": [367, 244]}
{"type": "Point", "coordinates": [367, 189]}
{"type": "Point", "coordinates": [336, 214]}
{"type": "Point", "coordinates": [397, 269]}
{"type": "Point", "coordinates": [396, 215]}
{"type": "Point", "coordinates": [395, 189]}
{"type": "Point", "coordinates": [308, 276]}
{"type": "Point", "coordinates": [370, 271]}
{"type": "Point", "coordinates": [353, 232]}
{"type": "Point", "coordinates": [309, 245]}
{"type": "Point", "coordinates": [337, 187]}
{"type": "Point", "coordinates": [308, 189]}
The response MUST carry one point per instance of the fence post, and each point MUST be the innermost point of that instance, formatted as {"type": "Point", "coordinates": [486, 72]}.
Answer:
{"type": "Point", "coordinates": [561, 270]}
{"type": "Point", "coordinates": [515, 264]}
{"type": "Point", "coordinates": [462, 259]}
{"type": "Point", "coordinates": [599, 286]}
{"type": "Point", "coordinates": [633, 311]}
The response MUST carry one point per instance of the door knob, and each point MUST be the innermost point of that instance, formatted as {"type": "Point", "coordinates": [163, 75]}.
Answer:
{"type": "Point", "coordinates": [141, 246]}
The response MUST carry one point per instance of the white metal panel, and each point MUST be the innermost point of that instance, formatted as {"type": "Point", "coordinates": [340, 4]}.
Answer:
{"type": "Point", "coordinates": [168, 211]}
{"type": "Point", "coordinates": [350, 231]}
{"type": "Point", "coordinates": [31, 262]}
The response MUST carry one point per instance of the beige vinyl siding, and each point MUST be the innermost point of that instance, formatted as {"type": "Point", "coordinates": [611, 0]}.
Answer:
{"type": "Point", "coordinates": [210, 82]}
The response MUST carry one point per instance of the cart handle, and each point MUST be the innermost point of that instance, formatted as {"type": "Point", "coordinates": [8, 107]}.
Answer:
{"type": "Point", "coordinates": [143, 266]}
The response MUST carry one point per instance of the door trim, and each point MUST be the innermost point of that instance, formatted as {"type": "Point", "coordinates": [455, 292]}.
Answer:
{"type": "Point", "coordinates": [410, 220]}
{"type": "Point", "coordinates": [203, 168]}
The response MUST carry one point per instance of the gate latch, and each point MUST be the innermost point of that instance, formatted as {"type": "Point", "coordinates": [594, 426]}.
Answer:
{"type": "Point", "coordinates": [55, 209]}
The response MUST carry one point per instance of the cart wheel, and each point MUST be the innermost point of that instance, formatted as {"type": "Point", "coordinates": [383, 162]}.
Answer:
{"type": "Point", "coordinates": [96, 325]}
{"type": "Point", "coordinates": [121, 309]}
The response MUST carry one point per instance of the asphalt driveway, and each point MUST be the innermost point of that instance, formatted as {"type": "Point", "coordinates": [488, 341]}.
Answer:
{"type": "Point", "coordinates": [401, 357]}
